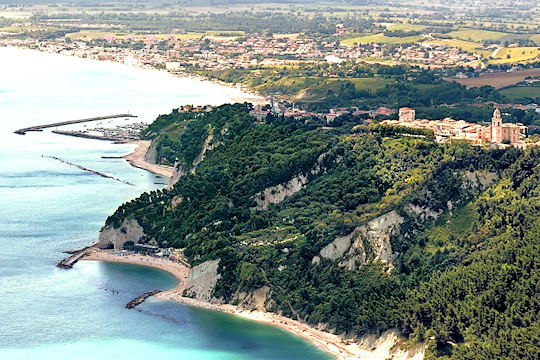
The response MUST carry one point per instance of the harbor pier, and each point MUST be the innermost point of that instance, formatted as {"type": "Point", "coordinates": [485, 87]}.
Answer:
{"type": "Point", "coordinates": [70, 122]}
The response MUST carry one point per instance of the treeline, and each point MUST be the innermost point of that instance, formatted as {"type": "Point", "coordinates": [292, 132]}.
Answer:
{"type": "Point", "coordinates": [404, 94]}
{"type": "Point", "coordinates": [252, 22]}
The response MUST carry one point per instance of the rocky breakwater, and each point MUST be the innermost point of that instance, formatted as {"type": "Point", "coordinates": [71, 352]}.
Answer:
{"type": "Point", "coordinates": [140, 299]}
{"type": "Point", "coordinates": [68, 262]}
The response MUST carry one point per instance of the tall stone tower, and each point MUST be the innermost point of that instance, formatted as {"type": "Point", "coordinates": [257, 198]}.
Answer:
{"type": "Point", "coordinates": [496, 127]}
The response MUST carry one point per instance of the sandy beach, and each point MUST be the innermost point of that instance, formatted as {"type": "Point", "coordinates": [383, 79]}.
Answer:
{"type": "Point", "coordinates": [136, 159]}
{"type": "Point", "coordinates": [328, 342]}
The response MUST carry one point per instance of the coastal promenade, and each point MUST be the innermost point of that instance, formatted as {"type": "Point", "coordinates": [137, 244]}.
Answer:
{"type": "Point", "coordinates": [69, 122]}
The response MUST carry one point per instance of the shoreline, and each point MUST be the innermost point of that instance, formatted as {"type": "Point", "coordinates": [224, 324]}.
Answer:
{"type": "Point", "coordinates": [325, 341]}
{"type": "Point", "coordinates": [136, 159]}
{"type": "Point", "coordinates": [234, 94]}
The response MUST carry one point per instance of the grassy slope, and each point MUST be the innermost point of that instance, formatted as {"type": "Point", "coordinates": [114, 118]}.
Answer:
{"type": "Point", "coordinates": [516, 55]}
{"type": "Point", "coordinates": [535, 38]}
{"type": "Point", "coordinates": [320, 90]}
{"type": "Point", "coordinates": [517, 92]}
{"type": "Point", "coordinates": [476, 35]}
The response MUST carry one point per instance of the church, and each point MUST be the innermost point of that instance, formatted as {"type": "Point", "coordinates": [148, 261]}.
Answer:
{"type": "Point", "coordinates": [504, 133]}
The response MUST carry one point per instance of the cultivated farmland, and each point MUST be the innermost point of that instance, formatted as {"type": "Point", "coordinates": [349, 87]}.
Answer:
{"type": "Point", "coordinates": [498, 80]}
{"type": "Point", "coordinates": [516, 55]}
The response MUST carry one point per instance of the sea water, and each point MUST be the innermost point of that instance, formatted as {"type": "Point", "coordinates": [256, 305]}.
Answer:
{"type": "Point", "coordinates": [47, 207]}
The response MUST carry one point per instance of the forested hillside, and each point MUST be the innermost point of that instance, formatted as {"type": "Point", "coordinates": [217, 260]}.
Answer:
{"type": "Point", "coordinates": [441, 242]}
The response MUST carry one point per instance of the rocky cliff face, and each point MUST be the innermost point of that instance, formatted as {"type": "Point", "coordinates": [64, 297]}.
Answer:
{"type": "Point", "coordinates": [367, 242]}
{"type": "Point", "coordinates": [255, 300]}
{"type": "Point", "coordinates": [207, 146]}
{"type": "Point", "coordinates": [479, 180]}
{"type": "Point", "coordinates": [178, 169]}
{"type": "Point", "coordinates": [278, 193]}
{"type": "Point", "coordinates": [178, 172]}
{"type": "Point", "coordinates": [130, 230]}
{"type": "Point", "coordinates": [151, 154]}
{"type": "Point", "coordinates": [472, 183]}
{"type": "Point", "coordinates": [202, 280]}
{"type": "Point", "coordinates": [387, 346]}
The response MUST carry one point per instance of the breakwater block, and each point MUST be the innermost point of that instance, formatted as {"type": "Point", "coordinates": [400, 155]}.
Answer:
{"type": "Point", "coordinates": [140, 299]}
{"type": "Point", "coordinates": [68, 262]}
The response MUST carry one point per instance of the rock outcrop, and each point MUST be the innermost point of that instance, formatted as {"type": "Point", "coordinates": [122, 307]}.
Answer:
{"type": "Point", "coordinates": [472, 183]}
{"type": "Point", "coordinates": [130, 230]}
{"type": "Point", "coordinates": [387, 346]}
{"type": "Point", "coordinates": [337, 248]}
{"type": "Point", "coordinates": [479, 180]}
{"type": "Point", "coordinates": [258, 299]}
{"type": "Point", "coordinates": [367, 242]}
{"type": "Point", "coordinates": [178, 169]}
{"type": "Point", "coordinates": [207, 146]}
{"type": "Point", "coordinates": [178, 172]}
{"type": "Point", "coordinates": [151, 154]}
{"type": "Point", "coordinates": [202, 280]}
{"type": "Point", "coordinates": [276, 194]}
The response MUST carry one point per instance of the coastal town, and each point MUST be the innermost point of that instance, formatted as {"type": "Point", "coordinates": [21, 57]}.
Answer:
{"type": "Point", "coordinates": [186, 57]}
{"type": "Point", "coordinates": [218, 53]}
{"type": "Point", "coordinates": [498, 134]}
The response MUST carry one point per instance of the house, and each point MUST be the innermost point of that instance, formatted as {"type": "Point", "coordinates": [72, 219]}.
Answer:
{"type": "Point", "coordinates": [406, 114]}
{"type": "Point", "coordinates": [110, 38]}
{"type": "Point", "coordinates": [259, 114]}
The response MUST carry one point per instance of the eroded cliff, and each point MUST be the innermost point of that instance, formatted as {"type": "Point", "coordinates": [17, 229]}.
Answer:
{"type": "Point", "coordinates": [129, 230]}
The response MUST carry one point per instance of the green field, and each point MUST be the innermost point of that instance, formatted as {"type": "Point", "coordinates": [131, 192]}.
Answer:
{"type": "Point", "coordinates": [405, 27]}
{"type": "Point", "coordinates": [189, 36]}
{"type": "Point", "coordinates": [476, 35]}
{"type": "Point", "coordinates": [370, 83]}
{"type": "Point", "coordinates": [381, 39]}
{"type": "Point", "coordinates": [516, 55]}
{"type": "Point", "coordinates": [517, 92]}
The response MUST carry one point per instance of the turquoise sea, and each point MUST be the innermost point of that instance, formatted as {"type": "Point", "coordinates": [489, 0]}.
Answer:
{"type": "Point", "coordinates": [47, 207]}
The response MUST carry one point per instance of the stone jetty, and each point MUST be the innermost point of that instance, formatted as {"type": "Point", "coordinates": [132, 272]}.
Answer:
{"type": "Point", "coordinates": [140, 299]}
{"type": "Point", "coordinates": [70, 122]}
{"type": "Point", "coordinates": [68, 262]}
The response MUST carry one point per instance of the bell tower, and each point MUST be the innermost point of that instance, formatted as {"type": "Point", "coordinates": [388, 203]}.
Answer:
{"type": "Point", "coordinates": [496, 126]}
